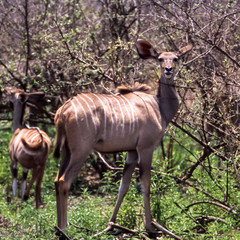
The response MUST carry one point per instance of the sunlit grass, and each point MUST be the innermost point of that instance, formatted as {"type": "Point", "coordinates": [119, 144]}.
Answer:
{"type": "Point", "coordinates": [90, 208]}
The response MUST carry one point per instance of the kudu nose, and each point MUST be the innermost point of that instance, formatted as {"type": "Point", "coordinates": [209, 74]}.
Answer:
{"type": "Point", "coordinates": [168, 69]}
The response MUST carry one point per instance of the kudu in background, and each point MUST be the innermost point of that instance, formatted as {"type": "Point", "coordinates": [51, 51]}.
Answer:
{"type": "Point", "coordinates": [29, 146]}
{"type": "Point", "coordinates": [132, 121]}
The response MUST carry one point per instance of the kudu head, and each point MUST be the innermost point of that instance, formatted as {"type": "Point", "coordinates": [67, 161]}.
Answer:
{"type": "Point", "coordinates": [18, 95]}
{"type": "Point", "coordinates": [167, 60]}
{"type": "Point", "coordinates": [19, 98]}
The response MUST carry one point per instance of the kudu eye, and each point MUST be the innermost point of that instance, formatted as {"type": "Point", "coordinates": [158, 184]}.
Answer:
{"type": "Point", "coordinates": [175, 59]}
{"type": "Point", "coordinates": [160, 59]}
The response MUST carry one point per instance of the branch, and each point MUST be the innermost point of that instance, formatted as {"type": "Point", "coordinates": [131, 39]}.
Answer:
{"type": "Point", "coordinates": [226, 54]}
{"type": "Point", "coordinates": [204, 192]}
{"type": "Point", "coordinates": [190, 216]}
{"type": "Point", "coordinates": [78, 227]}
{"type": "Point", "coordinates": [28, 53]}
{"type": "Point", "coordinates": [112, 225]}
{"type": "Point", "coordinates": [212, 149]}
{"type": "Point", "coordinates": [36, 106]}
{"type": "Point", "coordinates": [210, 218]}
{"type": "Point", "coordinates": [60, 233]}
{"type": "Point", "coordinates": [106, 163]}
{"type": "Point", "coordinates": [213, 203]}
{"type": "Point", "coordinates": [164, 230]}
{"type": "Point", "coordinates": [13, 75]}
{"type": "Point", "coordinates": [206, 153]}
{"type": "Point", "coordinates": [91, 64]}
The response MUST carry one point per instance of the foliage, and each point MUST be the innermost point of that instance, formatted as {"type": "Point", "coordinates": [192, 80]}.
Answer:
{"type": "Point", "coordinates": [67, 47]}
{"type": "Point", "coordinates": [89, 211]}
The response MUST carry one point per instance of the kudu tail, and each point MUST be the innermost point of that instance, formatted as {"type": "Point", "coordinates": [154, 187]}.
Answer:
{"type": "Point", "coordinates": [34, 146]}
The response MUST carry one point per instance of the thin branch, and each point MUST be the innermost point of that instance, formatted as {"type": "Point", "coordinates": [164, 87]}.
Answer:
{"type": "Point", "coordinates": [13, 75]}
{"type": "Point", "coordinates": [196, 221]}
{"type": "Point", "coordinates": [28, 53]}
{"type": "Point", "coordinates": [164, 230]}
{"type": "Point", "coordinates": [74, 57]}
{"type": "Point", "coordinates": [61, 233]}
{"type": "Point", "coordinates": [78, 227]}
{"type": "Point", "coordinates": [204, 192]}
{"type": "Point", "coordinates": [198, 56]}
{"type": "Point", "coordinates": [213, 203]}
{"type": "Point", "coordinates": [121, 229]}
{"type": "Point", "coordinates": [211, 218]}
{"type": "Point", "coordinates": [106, 163]}
{"type": "Point", "coordinates": [212, 149]}
{"type": "Point", "coordinates": [47, 113]}
{"type": "Point", "coordinates": [205, 154]}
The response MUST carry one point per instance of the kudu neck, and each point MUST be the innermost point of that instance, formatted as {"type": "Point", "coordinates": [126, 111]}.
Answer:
{"type": "Point", "coordinates": [167, 98]}
{"type": "Point", "coordinates": [18, 112]}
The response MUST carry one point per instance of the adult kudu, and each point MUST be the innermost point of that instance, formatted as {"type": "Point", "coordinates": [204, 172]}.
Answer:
{"type": "Point", "coordinates": [132, 121]}
{"type": "Point", "coordinates": [29, 146]}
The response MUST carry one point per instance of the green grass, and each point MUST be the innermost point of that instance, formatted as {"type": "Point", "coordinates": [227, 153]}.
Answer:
{"type": "Point", "coordinates": [91, 205]}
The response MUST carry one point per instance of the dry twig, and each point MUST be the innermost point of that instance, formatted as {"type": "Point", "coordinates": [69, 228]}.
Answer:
{"type": "Point", "coordinates": [61, 234]}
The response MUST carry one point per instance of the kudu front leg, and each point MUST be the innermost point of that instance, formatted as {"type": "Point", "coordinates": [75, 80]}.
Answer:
{"type": "Point", "coordinates": [145, 178]}
{"type": "Point", "coordinates": [129, 167]}
{"type": "Point", "coordinates": [38, 187]}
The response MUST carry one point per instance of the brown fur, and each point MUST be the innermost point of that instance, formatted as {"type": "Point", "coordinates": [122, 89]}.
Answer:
{"type": "Point", "coordinates": [136, 88]}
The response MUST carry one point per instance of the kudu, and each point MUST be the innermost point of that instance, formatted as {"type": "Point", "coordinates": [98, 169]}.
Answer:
{"type": "Point", "coordinates": [29, 146]}
{"type": "Point", "coordinates": [132, 121]}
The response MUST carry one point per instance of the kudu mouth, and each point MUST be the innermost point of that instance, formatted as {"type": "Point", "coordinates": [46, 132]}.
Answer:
{"type": "Point", "coordinates": [168, 74]}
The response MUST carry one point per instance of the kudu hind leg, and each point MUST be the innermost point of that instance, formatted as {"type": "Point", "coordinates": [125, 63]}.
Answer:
{"type": "Point", "coordinates": [25, 194]}
{"type": "Point", "coordinates": [14, 171]}
{"type": "Point", "coordinates": [38, 187]}
{"type": "Point", "coordinates": [129, 167]}
{"type": "Point", "coordinates": [24, 181]}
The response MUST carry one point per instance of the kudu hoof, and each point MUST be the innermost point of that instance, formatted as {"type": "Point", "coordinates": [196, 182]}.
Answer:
{"type": "Point", "coordinates": [25, 197]}
{"type": "Point", "coordinates": [153, 234]}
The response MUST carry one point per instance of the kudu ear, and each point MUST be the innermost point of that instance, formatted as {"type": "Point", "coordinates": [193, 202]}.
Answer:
{"type": "Point", "coordinates": [34, 97]}
{"type": "Point", "coordinates": [184, 50]}
{"type": "Point", "coordinates": [146, 50]}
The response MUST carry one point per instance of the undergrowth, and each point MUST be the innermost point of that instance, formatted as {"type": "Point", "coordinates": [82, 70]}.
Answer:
{"type": "Point", "coordinates": [183, 208]}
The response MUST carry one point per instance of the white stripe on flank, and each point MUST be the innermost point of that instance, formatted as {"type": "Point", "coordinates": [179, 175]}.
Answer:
{"type": "Point", "coordinates": [85, 114]}
{"type": "Point", "coordinates": [123, 119]}
{"type": "Point", "coordinates": [110, 108]}
{"type": "Point", "coordinates": [129, 117]}
{"type": "Point", "coordinates": [132, 112]}
{"type": "Point", "coordinates": [17, 140]}
{"type": "Point", "coordinates": [75, 109]}
{"type": "Point", "coordinates": [114, 113]}
{"type": "Point", "coordinates": [105, 113]}
{"type": "Point", "coordinates": [93, 104]}
{"type": "Point", "coordinates": [90, 111]}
